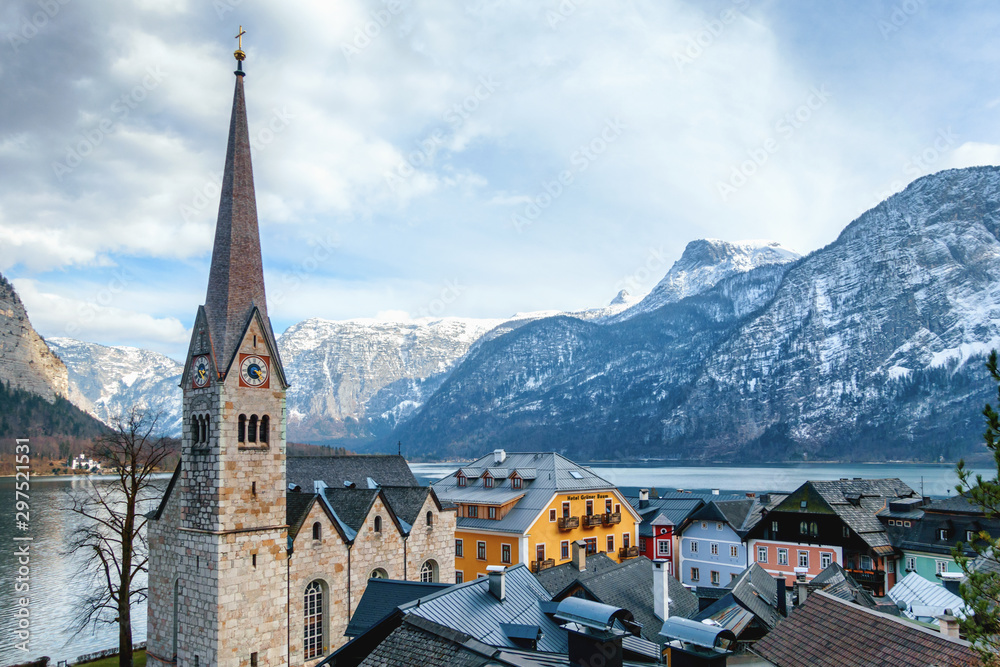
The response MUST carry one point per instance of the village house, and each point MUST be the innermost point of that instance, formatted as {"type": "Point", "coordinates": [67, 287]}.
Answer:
{"type": "Point", "coordinates": [824, 522]}
{"type": "Point", "coordinates": [529, 508]}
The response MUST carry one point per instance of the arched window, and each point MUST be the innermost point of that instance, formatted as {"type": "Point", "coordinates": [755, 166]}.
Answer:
{"type": "Point", "coordinates": [804, 528]}
{"type": "Point", "coordinates": [313, 609]}
{"type": "Point", "coordinates": [242, 431]}
{"type": "Point", "coordinates": [252, 435]}
{"type": "Point", "coordinates": [430, 519]}
{"type": "Point", "coordinates": [265, 423]}
{"type": "Point", "coordinates": [204, 428]}
{"type": "Point", "coordinates": [378, 573]}
{"type": "Point", "coordinates": [813, 529]}
{"type": "Point", "coordinates": [429, 571]}
{"type": "Point", "coordinates": [378, 524]}
{"type": "Point", "coordinates": [317, 531]}
{"type": "Point", "coordinates": [195, 431]}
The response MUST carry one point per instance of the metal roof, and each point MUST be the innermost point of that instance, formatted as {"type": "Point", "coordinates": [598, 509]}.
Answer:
{"type": "Point", "coordinates": [381, 598]}
{"type": "Point", "coordinates": [695, 632]}
{"type": "Point", "coordinates": [472, 609]}
{"type": "Point", "coordinates": [553, 475]}
{"type": "Point", "coordinates": [914, 591]}
{"type": "Point", "coordinates": [590, 614]}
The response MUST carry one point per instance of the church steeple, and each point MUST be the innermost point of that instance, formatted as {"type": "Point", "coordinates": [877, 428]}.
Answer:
{"type": "Point", "coordinates": [236, 279]}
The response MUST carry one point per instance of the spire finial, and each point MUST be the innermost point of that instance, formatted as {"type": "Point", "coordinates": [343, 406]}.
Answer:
{"type": "Point", "coordinates": [238, 53]}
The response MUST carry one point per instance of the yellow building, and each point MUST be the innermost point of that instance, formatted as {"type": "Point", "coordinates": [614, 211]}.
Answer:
{"type": "Point", "coordinates": [529, 508]}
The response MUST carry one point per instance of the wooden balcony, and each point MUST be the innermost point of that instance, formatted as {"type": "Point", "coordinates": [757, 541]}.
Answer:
{"type": "Point", "coordinates": [539, 565]}
{"type": "Point", "coordinates": [628, 552]}
{"type": "Point", "coordinates": [592, 520]}
{"type": "Point", "coordinates": [569, 522]}
{"type": "Point", "coordinates": [612, 518]}
{"type": "Point", "coordinates": [874, 578]}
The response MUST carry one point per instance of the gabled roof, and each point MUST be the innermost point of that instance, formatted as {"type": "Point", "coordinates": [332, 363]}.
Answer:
{"type": "Point", "coordinates": [837, 581]}
{"type": "Point", "coordinates": [158, 512]}
{"type": "Point", "coordinates": [297, 506]}
{"type": "Point", "coordinates": [384, 469]}
{"type": "Point", "coordinates": [557, 578]}
{"type": "Point", "coordinates": [757, 591]}
{"type": "Point", "coordinates": [348, 509]}
{"type": "Point", "coordinates": [472, 609]}
{"type": "Point", "coordinates": [675, 509]}
{"type": "Point", "coordinates": [829, 632]}
{"type": "Point", "coordinates": [554, 473]}
{"type": "Point", "coordinates": [856, 502]}
{"type": "Point", "coordinates": [381, 598]}
{"type": "Point", "coordinates": [629, 585]}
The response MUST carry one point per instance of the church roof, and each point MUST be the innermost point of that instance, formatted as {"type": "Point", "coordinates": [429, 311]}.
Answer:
{"type": "Point", "coordinates": [384, 469]}
{"type": "Point", "coordinates": [236, 278]}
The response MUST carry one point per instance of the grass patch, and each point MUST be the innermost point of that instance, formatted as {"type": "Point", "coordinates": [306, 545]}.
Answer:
{"type": "Point", "coordinates": [138, 660]}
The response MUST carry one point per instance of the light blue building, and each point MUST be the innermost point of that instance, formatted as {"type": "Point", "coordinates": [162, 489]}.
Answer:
{"type": "Point", "coordinates": [712, 551]}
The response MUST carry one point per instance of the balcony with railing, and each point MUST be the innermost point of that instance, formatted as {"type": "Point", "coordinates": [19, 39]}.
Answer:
{"type": "Point", "coordinates": [592, 520]}
{"type": "Point", "coordinates": [539, 565]}
{"type": "Point", "coordinates": [569, 522]}
{"type": "Point", "coordinates": [612, 518]}
{"type": "Point", "coordinates": [628, 552]}
{"type": "Point", "coordinates": [873, 578]}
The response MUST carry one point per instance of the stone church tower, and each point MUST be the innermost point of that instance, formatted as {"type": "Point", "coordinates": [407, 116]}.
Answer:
{"type": "Point", "coordinates": [218, 579]}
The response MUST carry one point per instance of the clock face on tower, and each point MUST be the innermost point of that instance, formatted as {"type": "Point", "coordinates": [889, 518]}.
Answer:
{"type": "Point", "coordinates": [199, 371]}
{"type": "Point", "coordinates": [253, 371]}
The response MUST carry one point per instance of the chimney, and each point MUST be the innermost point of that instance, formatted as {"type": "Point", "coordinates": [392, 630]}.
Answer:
{"type": "Point", "coordinates": [948, 624]}
{"type": "Point", "coordinates": [952, 581]}
{"type": "Point", "coordinates": [499, 456]}
{"type": "Point", "coordinates": [661, 590]}
{"type": "Point", "coordinates": [782, 598]}
{"type": "Point", "coordinates": [498, 588]}
{"type": "Point", "coordinates": [643, 498]}
{"type": "Point", "coordinates": [580, 555]}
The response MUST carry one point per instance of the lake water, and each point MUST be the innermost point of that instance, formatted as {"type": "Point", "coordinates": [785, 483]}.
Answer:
{"type": "Point", "coordinates": [56, 587]}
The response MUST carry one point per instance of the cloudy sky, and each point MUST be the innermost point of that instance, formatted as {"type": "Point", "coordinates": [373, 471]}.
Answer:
{"type": "Point", "coordinates": [425, 158]}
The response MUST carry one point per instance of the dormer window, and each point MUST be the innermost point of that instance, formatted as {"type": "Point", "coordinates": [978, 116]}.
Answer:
{"type": "Point", "coordinates": [943, 534]}
{"type": "Point", "coordinates": [488, 482]}
{"type": "Point", "coordinates": [461, 479]}
{"type": "Point", "coordinates": [515, 482]}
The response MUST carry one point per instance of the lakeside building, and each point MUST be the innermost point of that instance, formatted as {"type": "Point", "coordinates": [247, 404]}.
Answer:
{"type": "Point", "coordinates": [529, 508]}
{"type": "Point", "coordinates": [824, 522]}
{"type": "Point", "coordinates": [712, 539]}
{"type": "Point", "coordinates": [925, 532]}
{"type": "Point", "coordinates": [244, 570]}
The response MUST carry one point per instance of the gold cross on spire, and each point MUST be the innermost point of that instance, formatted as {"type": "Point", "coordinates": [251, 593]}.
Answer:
{"type": "Point", "coordinates": [238, 54]}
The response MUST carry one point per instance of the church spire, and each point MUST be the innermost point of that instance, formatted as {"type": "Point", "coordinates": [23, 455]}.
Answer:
{"type": "Point", "coordinates": [236, 279]}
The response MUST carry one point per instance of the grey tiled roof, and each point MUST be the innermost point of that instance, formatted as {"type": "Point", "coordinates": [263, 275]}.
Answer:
{"type": "Point", "coordinates": [630, 586]}
{"type": "Point", "coordinates": [381, 598]}
{"type": "Point", "coordinates": [675, 509]}
{"type": "Point", "coordinates": [410, 645]}
{"type": "Point", "coordinates": [385, 469]}
{"type": "Point", "coordinates": [986, 564]}
{"type": "Point", "coordinates": [351, 505]}
{"type": "Point", "coordinates": [406, 501]}
{"type": "Point", "coordinates": [297, 506]}
{"type": "Point", "coordinates": [472, 609]}
{"type": "Point", "coordinates": [757, 591]}
{"type": "Point", "coordinates": [556, 579]}
{"type": "Point", "coordinates": [553, 475]}
{"type": "Point", "coordinates": [836, 581]}
{"type": "Point", "coordinates": [829, 632]}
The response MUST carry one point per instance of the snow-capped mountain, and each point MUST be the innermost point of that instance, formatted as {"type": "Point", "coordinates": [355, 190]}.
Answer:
{"type": "Point", "coordinates": [869, 348]}
{"type": "Point", "coordinates": [704, 263]}
{"type": "Point", "coordinates": [106, 380]}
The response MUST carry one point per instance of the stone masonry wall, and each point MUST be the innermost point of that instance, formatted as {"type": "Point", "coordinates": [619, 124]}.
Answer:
{"type": "Point", "coordinates": [436, 542]}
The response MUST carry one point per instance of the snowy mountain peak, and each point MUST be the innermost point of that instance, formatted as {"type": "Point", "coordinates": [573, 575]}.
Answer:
{"type": "Point", "coordinates": [705, 262]}
{"type": "Point", "coordinates": [623, 298]}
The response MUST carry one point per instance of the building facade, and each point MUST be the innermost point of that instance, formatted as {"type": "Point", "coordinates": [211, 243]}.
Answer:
{"type": "Point", "coordinates": [243, 570]}
{"type": "Point", "coordinates": [712, 552]}
{"type": "Point", "coordinates": [529, 508]}
{"type": "Point", "coordinates": [824, 522]}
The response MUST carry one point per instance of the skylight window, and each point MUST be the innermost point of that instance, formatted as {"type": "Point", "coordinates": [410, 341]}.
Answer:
{"type": "Point", "coordinates": [575, 475]}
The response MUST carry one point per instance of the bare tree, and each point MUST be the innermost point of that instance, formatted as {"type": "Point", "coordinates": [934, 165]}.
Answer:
{"type": "Point", "coordinates": [112, 540]}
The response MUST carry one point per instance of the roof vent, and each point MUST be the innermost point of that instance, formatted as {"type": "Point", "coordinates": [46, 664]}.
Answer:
{"type": "Point", "coordinates": [318, 486]}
